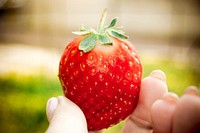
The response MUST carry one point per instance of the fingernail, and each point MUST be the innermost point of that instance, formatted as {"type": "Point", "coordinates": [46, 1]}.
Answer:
{"type": "Point", "coordinates": [158, 74]}
{"type": "Point", "coordinates": [192, 90]}
{"type": "Point", "coordinates": [171, 97]}
{"type": "Point", "coordinates": [51, 106]}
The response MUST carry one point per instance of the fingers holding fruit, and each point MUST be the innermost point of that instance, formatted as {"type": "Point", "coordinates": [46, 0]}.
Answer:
{"type": "Point", "coordinates": [101, 72]}
{"type": "Point", "coordinates": [153, 88]}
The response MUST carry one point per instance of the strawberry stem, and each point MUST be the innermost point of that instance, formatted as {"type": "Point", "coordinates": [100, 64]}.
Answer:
{"type": "Point", "coordinates": [102, 21]}
{"type": "Point", "coordinates": [102, 35]}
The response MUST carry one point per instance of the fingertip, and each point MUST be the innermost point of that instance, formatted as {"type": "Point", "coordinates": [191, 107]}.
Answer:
{"type": "Point", "coordinates": [162, 113]}
{"type": "Point", "coordinates": [170, 97]}
{"type": "Point", "coordinates": [187, 109]}
{"type": "Point", "coordinates": [50, 107]}
{"type": "Point", "coordinates": [63, 114]}
{"type": "Point", "coordinates": [192, 90]}
{"type": "Point", "coordinates": [158, 74]}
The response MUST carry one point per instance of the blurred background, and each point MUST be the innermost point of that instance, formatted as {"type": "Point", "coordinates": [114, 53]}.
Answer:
{"type": "Point", "coordinates": [33, 35]}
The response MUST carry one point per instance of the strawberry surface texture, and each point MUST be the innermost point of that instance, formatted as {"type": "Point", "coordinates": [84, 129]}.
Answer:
{"type": "Point", "coordinates": [101, 72]}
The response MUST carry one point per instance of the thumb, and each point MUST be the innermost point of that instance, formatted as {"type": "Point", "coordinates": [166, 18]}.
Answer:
{"type": "Point", "coordinates": [64, 116]}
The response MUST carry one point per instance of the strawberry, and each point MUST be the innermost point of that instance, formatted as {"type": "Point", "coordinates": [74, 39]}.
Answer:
{"type": "Point", "coordinates": [100, 71]}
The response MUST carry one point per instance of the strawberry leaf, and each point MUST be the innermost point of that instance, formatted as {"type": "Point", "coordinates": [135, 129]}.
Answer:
{"type": "Point", "coordinates": [117, 34]}
{"type": "Point", "coordinates": [104, 39]}
{"type": "Point", "coordinates": [83, 28]}
{"type": "Point", "coordinates": [81, 32]}
{"type": "Point", "coordinates": [113, 22]}
{"type": "Point", "coordinates": [102, 35]}
{"type": "Point", "coordinates": [88, 43]}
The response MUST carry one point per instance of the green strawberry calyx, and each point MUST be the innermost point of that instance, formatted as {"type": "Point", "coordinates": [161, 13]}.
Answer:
{"type": "Point", "coordinates": [102, 35]}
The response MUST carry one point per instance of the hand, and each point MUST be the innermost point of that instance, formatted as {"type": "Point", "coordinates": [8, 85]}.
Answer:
{"type": "Point", "coordinates": [157, 111]}
{"type": "Point", "coordinates": [160, 111]}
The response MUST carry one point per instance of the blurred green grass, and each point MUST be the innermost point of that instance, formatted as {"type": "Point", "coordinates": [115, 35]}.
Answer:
{"type": "Point", "coordinates": [23, 97]}
{"type": "Point", "coordinates": [23, 100]}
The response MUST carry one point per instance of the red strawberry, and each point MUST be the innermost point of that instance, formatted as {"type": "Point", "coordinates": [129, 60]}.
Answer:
{"type": "Point", "coordinates": [101, 72]}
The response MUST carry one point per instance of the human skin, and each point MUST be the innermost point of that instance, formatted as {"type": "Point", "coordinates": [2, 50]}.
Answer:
{"type": "Point", "coordinates": [158, 111]}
